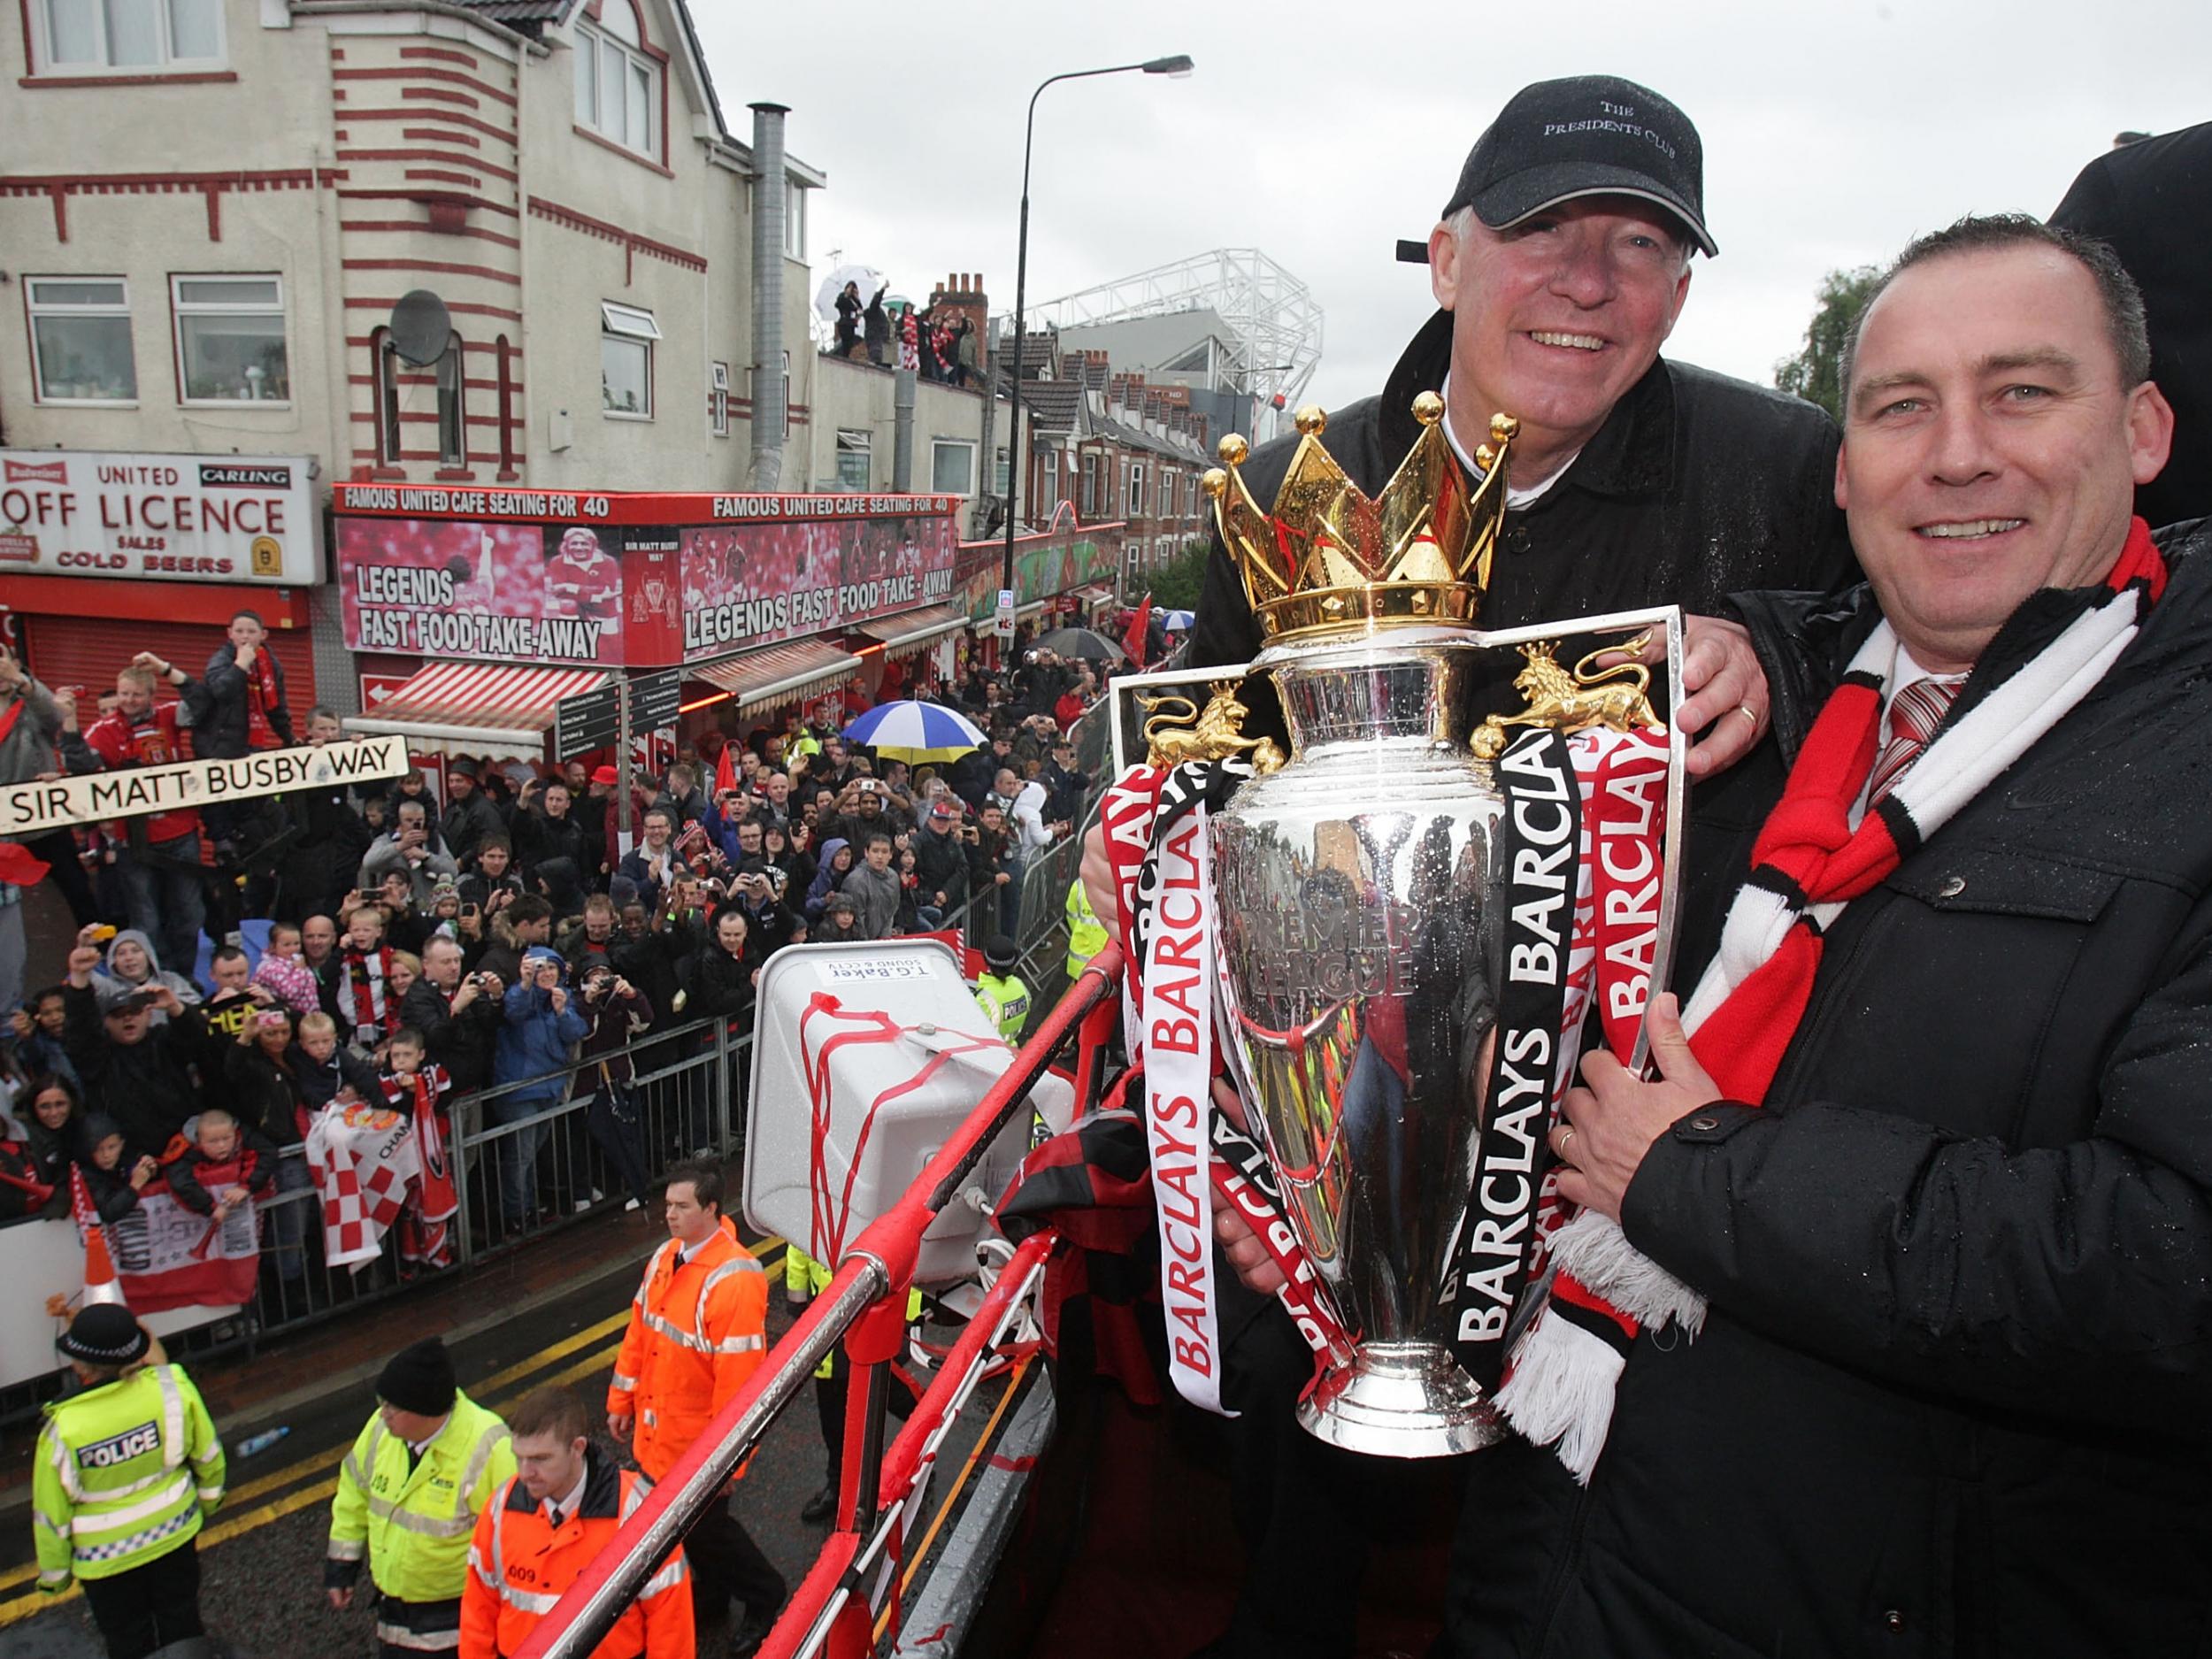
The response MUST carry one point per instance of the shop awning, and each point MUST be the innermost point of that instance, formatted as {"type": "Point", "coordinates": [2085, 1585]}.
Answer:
{"type": "Point", "coordinates": [493, 709]}
{"type": "Point", "coordinates": [1092, 595]}
{"type": "Point", "coordinates": [776, 673]}
{"type": "Point", "coordinates": [1023, 612]}
{"type": "Point", "coordinates": [911, 628]}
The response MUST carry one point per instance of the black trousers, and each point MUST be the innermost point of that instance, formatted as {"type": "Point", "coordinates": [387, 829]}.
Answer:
{"type": "Point", "coordinates": [142, 1609]}
{"type": "Point", "coordinates": [726, 1563]}
{"type": "Point", "coordinates": [403, 1626]}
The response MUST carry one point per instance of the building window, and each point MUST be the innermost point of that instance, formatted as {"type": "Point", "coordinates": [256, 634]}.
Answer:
{"type": "Point", "coordinates": [384, 394]}
{"type": "Point", "coordinates": [1002, 472]}
{"type": "Point", "coordinates": [506, 405]}
{"type": "Point", "coordinates": [752, 391]}
{"type": "Point", "coordinates": [719, 401]}
{"type": "Point", "coordinates": [1050, 487]}
{"type": "Point", "coordinates": [88, 36]}
{"type": "Point", "coordinates": [81, 340]}
{"type": "Point", "coordinates": [453, 443]}
{"type": "Point", "coordinates": [230, 339]}
{"type": "Point", "coordinates": [1167, 492]}
{"type": "Point", "coordinates": [626, 360]}
{"type": "Point", "coordinates": [951, 467]}
{"type": "Point", "coordinates": [853, 468]}
{"type": "Point", "coordinates": [1136, 509]}
{"type": "Point", "coordinates": [617, 86]}
{"type": "Point", "coordinates": [795, 222]}
{"type": "Point", "coordinates": [1093, 465]}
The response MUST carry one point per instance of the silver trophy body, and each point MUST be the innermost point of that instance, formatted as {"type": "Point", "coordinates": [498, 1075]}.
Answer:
{"type": "Point", "coordinates": [1359, 959]}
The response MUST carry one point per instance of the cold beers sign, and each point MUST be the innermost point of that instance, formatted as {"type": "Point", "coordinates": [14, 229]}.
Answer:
{"type": "Point", "coordinates": [174, 518]}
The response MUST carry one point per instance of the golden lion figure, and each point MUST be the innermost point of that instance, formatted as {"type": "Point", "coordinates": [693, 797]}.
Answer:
{"type": "Point", "coordinates": [1179, 731]}
{"type": "Point", "coordinates": [1568, 702]}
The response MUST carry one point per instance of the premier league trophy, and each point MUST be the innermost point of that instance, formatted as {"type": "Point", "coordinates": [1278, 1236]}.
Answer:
{"type": "Point", "coordinates": [1365, 906]}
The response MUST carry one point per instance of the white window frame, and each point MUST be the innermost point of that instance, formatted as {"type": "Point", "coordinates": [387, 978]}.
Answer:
{"type": "Point", "coordinates": [861, 442]}
{"type": "Point", "coordinates": [968, 487]}
{"type": "Point", "coordinates": [618, 321]}
{"type": "Point", "coordinates": [1133, 492]}
{"type": "Point", "coordinates": [795, 222]}
{"type": "Point", "coordinates": [42, 44]}
{"type": "Point", "coordinates": [1051, 491]}
{"type": "Point", "coordinates": [180, 308]}
{"type": "Point", "coordinates": [718, 400]}
{"type": "Point", "coordinates": [602, 45]}
{"type": "Point", "coordinates": [453, 416]}
{"type": "Point", "coordinates": [37, 308]}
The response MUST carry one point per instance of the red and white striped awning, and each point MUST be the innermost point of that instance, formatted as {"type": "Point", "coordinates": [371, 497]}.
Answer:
{"type": "Point", "coordinates": [910, 630]}
{"type": "Point", "coordinates": [776, 673]}
{"type": "Point", "coordinates": [497, 708]}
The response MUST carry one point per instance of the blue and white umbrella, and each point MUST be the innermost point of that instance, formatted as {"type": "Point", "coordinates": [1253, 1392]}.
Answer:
{"type": "Point", "coordinates": [915, 732]}
{"type": "Point", "coordinates": [1175, 621]}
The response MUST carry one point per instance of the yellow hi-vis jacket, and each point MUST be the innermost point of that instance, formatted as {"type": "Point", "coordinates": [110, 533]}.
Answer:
{"type": "Point", "coordinates": [414, 1527]}
{"type": "Point", "coordinates": [804, 1277]}
{"type": "Point", "coordinates": [1005, 1001]}
{"type": "Point", "coordinates": [1086, 934]}
{"type": "Point", "coordinates": [127, 1472]}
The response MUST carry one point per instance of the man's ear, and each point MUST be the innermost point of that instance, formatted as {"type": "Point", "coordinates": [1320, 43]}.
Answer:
{"type": "Point", "coordinates": [1444, 264]}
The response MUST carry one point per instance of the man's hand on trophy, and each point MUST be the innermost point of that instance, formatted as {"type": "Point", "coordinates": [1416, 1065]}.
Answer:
{"type": "Point", "coordinates": [1725, 708]}
{"type": "Point", "coordinates": [1610, 1124]}
{"type": "Point", "coordinates": [1247, 1255]}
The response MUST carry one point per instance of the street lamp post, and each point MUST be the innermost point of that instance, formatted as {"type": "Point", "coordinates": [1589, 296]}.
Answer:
{"type": "Point", "coordinates": [1178, 65]}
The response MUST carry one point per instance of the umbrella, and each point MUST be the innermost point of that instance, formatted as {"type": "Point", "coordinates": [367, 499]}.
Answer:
{"type": "Point", "coordinates": [915, 732]}
{"type": "Point", "coordinates": [867, 276]}
{"type": "Point", "coordinates": [1088, 643]}
{"type": "Point", "coordinates": [1173, 621]}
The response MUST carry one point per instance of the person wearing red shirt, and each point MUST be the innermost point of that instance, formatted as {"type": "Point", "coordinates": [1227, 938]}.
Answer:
{"type": "Point", "coordinates": [158, 853]}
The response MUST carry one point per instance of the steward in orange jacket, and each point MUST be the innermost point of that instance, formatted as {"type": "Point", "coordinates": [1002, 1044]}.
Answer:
{"type": "Point", "coordinates": [520, 1563]}
{"type": "Point", "coordinates": [698, 1329]}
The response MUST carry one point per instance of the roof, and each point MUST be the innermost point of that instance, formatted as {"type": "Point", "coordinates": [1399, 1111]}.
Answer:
{"type": "Point", "coordinates": [1052, 404]}
{"type": "Point", "coordinates": [525, 17]}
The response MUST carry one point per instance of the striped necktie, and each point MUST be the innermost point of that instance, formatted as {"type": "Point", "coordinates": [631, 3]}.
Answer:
{"type": "Point", "coordinates": [1914, 715]}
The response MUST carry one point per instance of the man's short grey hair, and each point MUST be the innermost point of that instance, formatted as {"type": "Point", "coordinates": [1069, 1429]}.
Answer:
{"type": "Point", "coordinates": [1461, 224]}
{"type": "Point", "coordinates": [1980, 233]}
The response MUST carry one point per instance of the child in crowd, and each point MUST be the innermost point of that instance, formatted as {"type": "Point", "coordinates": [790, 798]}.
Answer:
{"type": "Point", "coordinates": [113, 1176]}
{"type": "Point", "coordinates": [368, 1009]}
{"type": "Point", "coordinates": [417, 1089]}
{"type": "Point", "coordinates": [38, 1045]}
{"type": "Point", "coordinates": [283, 972]}
{"type": "Point", "coordinates": [241, 1160]}
{"type": "Point", "coordinates": [328, 1073]}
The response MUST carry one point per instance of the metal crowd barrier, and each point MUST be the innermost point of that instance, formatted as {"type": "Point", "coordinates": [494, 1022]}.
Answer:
{"type": "Point", "coordinates": [836, 1607]}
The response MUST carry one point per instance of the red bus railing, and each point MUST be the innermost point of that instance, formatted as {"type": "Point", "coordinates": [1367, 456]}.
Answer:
{"type": "Point", "coordinates": [865, 1307]}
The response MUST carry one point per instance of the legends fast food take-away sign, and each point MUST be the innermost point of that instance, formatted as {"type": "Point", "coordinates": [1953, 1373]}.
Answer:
{"type": "Point", "coordinates": [32, 808]}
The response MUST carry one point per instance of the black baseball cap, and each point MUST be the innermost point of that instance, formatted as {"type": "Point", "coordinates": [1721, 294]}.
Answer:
{"type": "Point", "coordinates": [1585, 135]}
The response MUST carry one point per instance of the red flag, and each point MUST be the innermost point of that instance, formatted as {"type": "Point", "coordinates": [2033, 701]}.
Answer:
{"type": "Point", "coordinates": [1133, 642]}
{"type": "Point", "coordinates": [725, 770]}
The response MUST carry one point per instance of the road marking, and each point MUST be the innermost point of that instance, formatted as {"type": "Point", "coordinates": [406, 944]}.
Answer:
{"type": "Point", "coordinates": [500, 1384]}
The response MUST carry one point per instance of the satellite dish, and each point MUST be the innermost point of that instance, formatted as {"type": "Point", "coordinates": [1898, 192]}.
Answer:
{"type": "Point", "coordinates": [420, 327]}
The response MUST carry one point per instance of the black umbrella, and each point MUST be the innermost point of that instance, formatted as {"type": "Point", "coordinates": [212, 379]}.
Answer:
{"type": "Point", "coordinates": [1088, 643]}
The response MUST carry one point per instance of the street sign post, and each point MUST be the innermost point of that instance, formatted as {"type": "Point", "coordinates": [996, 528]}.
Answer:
{"type": "Point", "coordinates": [592, 720]}
{"type": "Point", "coordinates": [1006, 613]}
{"type": "Point", "coordinates": [655, 700]}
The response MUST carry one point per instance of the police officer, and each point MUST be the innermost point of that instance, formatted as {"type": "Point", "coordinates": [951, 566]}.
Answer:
{"type": "Point", "coordinates": [542, 1529]}
{"type": "Point", "coordinates": [1001, 991]}
{"type": "Point", "coordinates": [425, 1467]}
{"type": "Point", "coordinates": [127, 1471]}
{"type": "Point", "coordinates": [698, 1329]}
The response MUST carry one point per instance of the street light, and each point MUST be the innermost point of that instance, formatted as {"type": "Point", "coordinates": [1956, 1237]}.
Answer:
{"type": "Point", "coordinates": [1178, 65]}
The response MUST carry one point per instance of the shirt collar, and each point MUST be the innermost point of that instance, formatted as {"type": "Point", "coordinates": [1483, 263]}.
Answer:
{"type": "Point", "coordinates": [570, 1501]}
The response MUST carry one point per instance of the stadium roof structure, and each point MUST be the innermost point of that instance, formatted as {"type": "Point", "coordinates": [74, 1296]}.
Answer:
{"type": "Point", "coordinates": [1266, 317]}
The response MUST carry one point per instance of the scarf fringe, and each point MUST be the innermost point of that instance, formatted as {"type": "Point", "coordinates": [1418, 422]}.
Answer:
{"type": "Point", "coordinates": [1598, 1254]}
{"type": "Point", "coordinates": [1560, 1391]}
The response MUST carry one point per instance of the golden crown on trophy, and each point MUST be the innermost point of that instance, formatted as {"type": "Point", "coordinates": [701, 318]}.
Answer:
{"type": "Point", "coordinates": [1330, 559]}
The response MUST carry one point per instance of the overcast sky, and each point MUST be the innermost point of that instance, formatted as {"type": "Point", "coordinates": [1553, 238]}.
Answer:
{"type": "Point", "coordinates": [1834, 130]}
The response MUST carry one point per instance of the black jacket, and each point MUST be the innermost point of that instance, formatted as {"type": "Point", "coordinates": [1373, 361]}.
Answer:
{"type": "Point", "coordinates": [464, 824]}
{"type": "Point", "coordinates": [221, 725]}
{"type": "Point", "coordinates": [2149, 201]}
{"type": "Point", "coordinates": [264, 1093]}
{"type": "Point", "coordinates": [146, 1086]}
{"type": "Point", "coordinates": [1950, 1398]}
{"type": "Point", "coordinates": [460, 1042]}
{"type": "Point", "coordinates": [941, 862]}
{"type": "Point", "coordinates": [1696, 487]}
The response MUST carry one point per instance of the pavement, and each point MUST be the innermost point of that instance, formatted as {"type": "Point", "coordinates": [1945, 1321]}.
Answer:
{"type": "Point", "coordinates": [554, 1314]}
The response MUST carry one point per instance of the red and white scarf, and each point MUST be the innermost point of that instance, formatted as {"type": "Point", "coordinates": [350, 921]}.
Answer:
{"type": "Point", "coordinates": [367, 980]}
{"type": "Point", "coordinates": [1809, 861]}
{"type": "Point", "coordinates": [262, 696]}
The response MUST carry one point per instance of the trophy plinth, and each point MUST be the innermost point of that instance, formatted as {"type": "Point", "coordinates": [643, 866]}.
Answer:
{"type": "Point", "coordinates": [1400, 1400]}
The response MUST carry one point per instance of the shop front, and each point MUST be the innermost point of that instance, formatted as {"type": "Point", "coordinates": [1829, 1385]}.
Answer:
{"type": "Point", "coordinates": [477, 611]}
{"type": "Point", "coordinates": [106, 555]}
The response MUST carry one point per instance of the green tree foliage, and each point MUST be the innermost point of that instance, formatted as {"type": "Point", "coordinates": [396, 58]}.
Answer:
{"type": "Point", "coordinates": [1816, 373]}
{"type": "Point", "coordinates": [1175, 585]}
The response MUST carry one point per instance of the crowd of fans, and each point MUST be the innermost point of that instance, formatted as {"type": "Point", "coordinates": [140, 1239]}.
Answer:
{"type": "Point", "coordinates": [386, 947]}
{"type": "Point", "coordinates": [939, 343]}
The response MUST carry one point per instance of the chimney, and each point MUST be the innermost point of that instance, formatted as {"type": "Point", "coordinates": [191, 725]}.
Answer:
{"type": "Point", "coordinates": [769, 413]}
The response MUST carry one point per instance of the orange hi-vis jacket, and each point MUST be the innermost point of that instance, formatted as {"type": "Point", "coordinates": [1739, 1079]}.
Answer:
{"type": "Point", "coordinates": [519, 1563]}
{"type": "Point", "coordinates": [696, 1333]}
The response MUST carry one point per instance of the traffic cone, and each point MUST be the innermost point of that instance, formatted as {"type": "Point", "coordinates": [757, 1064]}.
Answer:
{"type": "Point", "coordinates": [100, 1281]}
